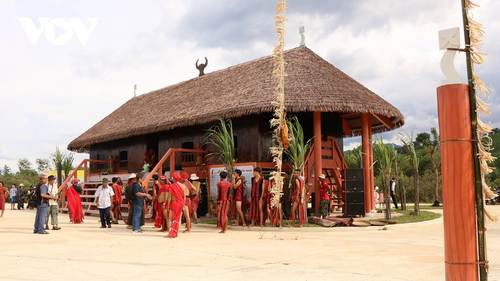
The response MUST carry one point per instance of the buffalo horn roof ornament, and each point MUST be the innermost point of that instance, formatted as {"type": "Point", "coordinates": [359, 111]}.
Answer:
{"type": "Point", "coordinates": [201, 67]}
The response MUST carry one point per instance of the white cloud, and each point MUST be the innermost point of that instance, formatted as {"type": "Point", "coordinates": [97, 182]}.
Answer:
{"type": "Point", "coordinates": [52, 94]}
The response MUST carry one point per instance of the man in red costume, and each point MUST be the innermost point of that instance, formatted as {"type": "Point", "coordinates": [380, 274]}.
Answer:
{"type": "Point", "coordinates": [117, 200]}
{"type": "Point", "coordinates": [175, 203]}
{"type": "Point", "coordinates": [275, 214]}
{"type": "Point", "coordinates": [74, 202]}
{"type": "Point", "coordinates": [255, 192]}
{"type": "Point", "coordinates": [298, 199]}
{"type": "Point", "coordinates": [161, 199]}
{"type": "Point", "coordinates": [223, 189]}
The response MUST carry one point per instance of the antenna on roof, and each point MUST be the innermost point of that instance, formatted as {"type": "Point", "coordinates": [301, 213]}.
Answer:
{"type": "Point", "coordinates": [135, 88]}
{"type": "Point", "coordinates": [302, 29]}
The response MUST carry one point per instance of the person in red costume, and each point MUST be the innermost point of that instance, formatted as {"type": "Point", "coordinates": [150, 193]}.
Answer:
{"type": "Point", "coordinates": [298, 199]}
{"type": "Point", "coordinates": [223, 189]}
{"type": "Point", "coordinates": [175, 203]}
{"type": "Point", "coordinates": [255, 192]}
{"type": "Point", "coordinates": [74, 202]}
{"type": "Point", "coordinates": [161, 220]}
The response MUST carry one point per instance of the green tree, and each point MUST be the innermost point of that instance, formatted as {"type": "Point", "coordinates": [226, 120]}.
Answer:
{"type": "Point", "coordinates": [297, 149]}
{"type": "Point", "coordinates": [222, 137]}
{"type": "Point", "coordinates": [43, 164]}
{"type": "Point", "coordinates": [67, 163]}
{"type": "Point", "coordinates": [354, 158]}
{"type": "Point", "coordinates": [58, 158]}
{"type": "Point", "coordinates": [431, 146]}
{"type": "Point", "coordinates": [384, 155]}
{"type": "Point", "coordinates": [6, 170]}
{"type": "Point", "coordinates": [409, 145]}
{"type": "Point", "coordinates": [24, 164]}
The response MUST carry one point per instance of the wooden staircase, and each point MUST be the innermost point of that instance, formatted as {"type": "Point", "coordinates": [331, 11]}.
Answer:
{"type": "Point", "coordinates": [333, 166]}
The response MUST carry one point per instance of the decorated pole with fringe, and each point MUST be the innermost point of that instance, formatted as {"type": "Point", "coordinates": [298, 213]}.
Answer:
{"type": "Point", "coordinates": [280, 135]}
{"type": "Point", "coordinates": [474, 33]}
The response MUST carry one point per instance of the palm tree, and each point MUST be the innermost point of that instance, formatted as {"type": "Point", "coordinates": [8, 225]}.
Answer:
{"type": "Point", "coordinates": [409, 145]}
{"type": "Point", "coordinates": [58, 157]}
{"type": "Point", "coordinates": [221, 136]}
{"type": "Point", "coordinates": [67, 163]}
{"type": "Point", "coordinates": [385, 155]}
{"type": "Point", "coordinates": [297, 149]}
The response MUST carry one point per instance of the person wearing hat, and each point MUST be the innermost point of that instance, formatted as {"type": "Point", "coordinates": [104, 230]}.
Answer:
{"type": "Point", "coordinates": [20, 197]}
{"type": "Point", "coordinates": [195, 194]}
{"type": "Point", "coordinates": [324, 199]}
{"type": "Point", "coordinates": [74, 202]}
{"type": "Point", "coordinates": [53, 209]}
{"type": "Point", "coordinates": [104, 198]}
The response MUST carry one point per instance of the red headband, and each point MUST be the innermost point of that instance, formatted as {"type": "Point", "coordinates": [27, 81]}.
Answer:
{"type": "Point", "coordinates": [185, 176]}
{"type": "Point", "coordinates": [176, 176]}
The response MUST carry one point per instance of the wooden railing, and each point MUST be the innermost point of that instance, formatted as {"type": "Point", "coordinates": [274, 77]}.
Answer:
{"type": "Point", "coordinates": [159, 167]}
{"type": "Point", "coordinates": [74, 175]}
{"type": "Point", "coordinates": [334, 162]}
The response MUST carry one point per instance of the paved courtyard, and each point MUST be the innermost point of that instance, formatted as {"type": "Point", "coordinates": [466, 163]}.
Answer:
{"type": "Point", "coordinates": [86, 252]}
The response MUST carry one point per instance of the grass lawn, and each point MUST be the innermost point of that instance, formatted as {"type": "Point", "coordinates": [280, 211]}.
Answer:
{"type": "Point", "coordinates": [407, 218]}
{"type": "Point", "coordinates": [429, 207]}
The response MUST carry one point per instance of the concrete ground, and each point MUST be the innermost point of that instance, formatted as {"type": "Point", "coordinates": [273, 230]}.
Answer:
{"type": "Point", "coordinates": [86, 252]}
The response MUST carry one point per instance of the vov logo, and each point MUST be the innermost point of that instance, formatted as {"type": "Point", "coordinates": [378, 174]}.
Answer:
{"type": "Point", "coordinates": [49, 25]}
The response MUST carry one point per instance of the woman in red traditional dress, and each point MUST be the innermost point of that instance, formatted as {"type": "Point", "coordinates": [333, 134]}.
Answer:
{"type": "Point", "coordinates": [175, 203]}
{"type": "Point", "coordinates": [4, 192]}
{"type": "Point", "coordinates": [74, 202]}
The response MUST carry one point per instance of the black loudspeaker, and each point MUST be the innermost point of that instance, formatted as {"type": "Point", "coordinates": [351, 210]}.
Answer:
{"type": "Point", "coordinates": [353, 174]}
{"type": "Point", "coordinates": [354, 210]}
{"type": "Point", "coordinates": [354, 196]}
{"type": "Point", "coordinates": [358, 186]}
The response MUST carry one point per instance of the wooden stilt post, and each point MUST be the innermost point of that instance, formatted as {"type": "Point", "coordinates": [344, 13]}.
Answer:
{"type": "Point", "coordinates": [372, 179]}
{"type": "Point", "coordinates": [459, 214]}
{"type": "Point", "coordinates": [318, 165]}
{"type": "Point", "coordinates": [477, 169]}
{"type": "Point", "coordinates": [365, 147]}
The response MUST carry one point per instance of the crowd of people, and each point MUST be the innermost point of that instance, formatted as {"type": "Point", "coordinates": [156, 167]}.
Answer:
{"type": "Point", "coordinates": [173, 201]}
{"type": "Point", "coordinates": [15, 194]}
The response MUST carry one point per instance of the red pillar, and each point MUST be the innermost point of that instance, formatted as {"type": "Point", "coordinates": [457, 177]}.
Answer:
{"type": "Point", "coordinates": [318, 165]}
{"type": "Point", "coordinates": [459, 214]}
{"type": "Point", "coordinates": [371, 176]}
{"type": "Point", "coordinates": [366, 125]}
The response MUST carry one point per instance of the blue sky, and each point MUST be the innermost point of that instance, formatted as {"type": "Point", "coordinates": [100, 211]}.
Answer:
{"type": "Point", "coordinates": [51, 94]}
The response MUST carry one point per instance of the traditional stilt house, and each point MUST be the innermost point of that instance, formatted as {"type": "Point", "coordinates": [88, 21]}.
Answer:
{"type": "Point", "coordinates": [329, 104]}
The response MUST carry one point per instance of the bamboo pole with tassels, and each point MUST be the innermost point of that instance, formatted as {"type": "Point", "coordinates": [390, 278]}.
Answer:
{"type": "Point", "coordinates": [280, 134]}
{"type": "Point", "coordinates": [473, 33]}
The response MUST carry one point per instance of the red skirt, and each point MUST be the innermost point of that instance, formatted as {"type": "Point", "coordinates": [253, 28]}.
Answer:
{"type": "Point", "coordinates": [222, 214]}
{"type": "Point", "coordinates": [194, 203]}
{"type": "Point", "coordinates": [254, 209]}
{"type": "Point", "coordinates": [176, 208]}
{"type": "Point", "coordinates": [302, 213]}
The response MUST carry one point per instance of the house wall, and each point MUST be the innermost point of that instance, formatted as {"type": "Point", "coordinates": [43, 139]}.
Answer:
{"type": "Point", "coordinates": [253, 139]}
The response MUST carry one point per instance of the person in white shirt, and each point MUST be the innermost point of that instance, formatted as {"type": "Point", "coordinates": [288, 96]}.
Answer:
{"type": "Point", "coordinates": [53, 209]}
{"type": "Point", "coordinates": [104, 201]}
{"type": "Point", "coordinates": [393, 192]}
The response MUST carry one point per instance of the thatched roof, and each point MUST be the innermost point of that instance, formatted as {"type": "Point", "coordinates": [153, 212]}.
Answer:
{"type": "Point", "coordinates": [312, 84]}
